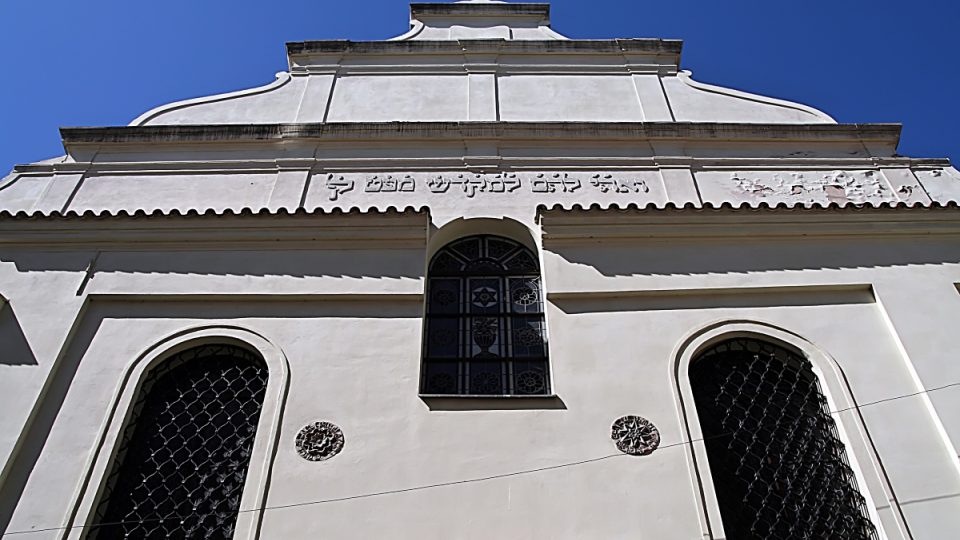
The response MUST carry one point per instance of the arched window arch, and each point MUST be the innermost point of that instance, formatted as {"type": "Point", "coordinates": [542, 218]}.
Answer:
{"type": "Point", "coordinates": [485, 331]}
{"type": "Point", "coordinates": [183, 455]}
{"type": "Point", "coordinates": [778, 465]}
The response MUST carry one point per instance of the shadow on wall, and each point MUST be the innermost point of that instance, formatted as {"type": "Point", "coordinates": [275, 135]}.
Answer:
{"type": "Point", "coordinates": [376, 263]}
{"type": "Point", "coordinates": [705, 300]}
{"type": "Point", "coordinates": [26, 459]}
{"type": "Point", "coordinates": [743, 256]}
{"type": "Point", "coordinates": [14, 349]}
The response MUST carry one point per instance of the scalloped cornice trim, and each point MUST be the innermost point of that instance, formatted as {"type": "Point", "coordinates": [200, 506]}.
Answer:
{"type": "Point", "coordinates": [391, 210]}
{"type": "Point", "coordinates": [745, 207]}
{"type": "Point", "coordinates": [213, 213]}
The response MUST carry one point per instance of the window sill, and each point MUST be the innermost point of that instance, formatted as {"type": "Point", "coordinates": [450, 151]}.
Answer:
{"type": "Point", "coordinates": [486, 402]}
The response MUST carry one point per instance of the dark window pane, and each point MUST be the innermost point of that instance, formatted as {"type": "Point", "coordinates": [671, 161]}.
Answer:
{"type": "Point", "coordinates": [484, 295]}
{"type": "Point", "coordinates": [445, 296]}
{"type": "Point", "coordinates": [778, 465]}
{"type": "Point", "coordinates": [182, 460]}
{"type": "Point", "coordinates": [444, 339]}
{"type": "Point", "coordinates": [499, 248]}
{"type": "Point", "coordinates": [487, 378]}
{"type": "Point", "coordinates": [486, 337]}
{"type": "Point", "coordinates": [442, 378]}
{"type": "Point", "coordinates": [525, 295]}
{"type": "Point", "coordinates": [530, 377]}
{"type": "Point", "coordinates": [468, 248]}
{"type": "Point", "coordinates": [445, 263]}
{"type": "Point", "coordinates": [523, 263]}
{"type": "Point", "coordinates": [488, 267]}
{"type": "Point", "coordinates": [526, 337]}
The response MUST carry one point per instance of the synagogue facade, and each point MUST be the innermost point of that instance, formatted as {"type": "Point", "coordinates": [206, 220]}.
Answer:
{"type": "Point", "coordinates": [481, 281]}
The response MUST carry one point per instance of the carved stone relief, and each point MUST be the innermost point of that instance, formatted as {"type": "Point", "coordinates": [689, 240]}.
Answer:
{"type": "Point", "coordinates": [319, 441]}
{"type": "Point", "coordinates": [813, 187]}
{"type": "Point", "coordinates": [635, 435]}
{"type": "Point", "coordinates": [943, 185]}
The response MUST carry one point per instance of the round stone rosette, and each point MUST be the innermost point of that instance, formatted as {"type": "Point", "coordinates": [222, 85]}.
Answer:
{"type": "Point", "coordinates": [319, 441]}
{"type": "Point", "coordinates": [635, 435]}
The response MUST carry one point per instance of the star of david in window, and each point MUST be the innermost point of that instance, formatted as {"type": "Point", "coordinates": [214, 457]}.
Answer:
{"type": "Point", "coordinates": [484, 297]}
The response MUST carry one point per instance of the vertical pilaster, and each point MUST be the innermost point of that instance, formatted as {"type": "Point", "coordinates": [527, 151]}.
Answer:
{"type": "Point", "coordinates": [650, 94]}
{"type": "Point", "coordinates": [288, 190]}
{"type": "Point", "coordinates": [680, 185]}
{"type": "Point", "coordinates": [59, 193]}
{"type": "Point", "coordinates": [480, 61]}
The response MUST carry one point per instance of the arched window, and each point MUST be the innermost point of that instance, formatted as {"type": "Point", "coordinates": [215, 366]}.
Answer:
{"type": "Point", "coordinates": [779, 468]}
{"type": "Point", "coordinates": [182, 459]}
{"type": "Point", "coordinates": [485, 329]}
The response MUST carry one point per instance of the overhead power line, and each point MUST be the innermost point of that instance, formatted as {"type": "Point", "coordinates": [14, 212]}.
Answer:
{"type": "Point", "coordinates": [464, 481]}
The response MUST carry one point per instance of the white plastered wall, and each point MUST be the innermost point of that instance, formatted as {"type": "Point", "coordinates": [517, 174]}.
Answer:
{"type": "Point", "coordinates": [618, 312]}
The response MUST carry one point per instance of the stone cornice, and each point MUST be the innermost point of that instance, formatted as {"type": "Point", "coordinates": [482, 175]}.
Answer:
{"type": "Point", "coordinates": [213, 230]}
{"type": "Point", "coordinates": [578, 225]}
{"type": "Point", "coordinates": [360, 131]}
{"type": "Point", "coordinates": [671, 47]}
{"type": "Point", "coordinates": [480, 10]}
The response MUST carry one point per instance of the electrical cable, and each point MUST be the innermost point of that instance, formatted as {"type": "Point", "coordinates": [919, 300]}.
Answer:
{"type": "Point", "coordinates": [469, 480]}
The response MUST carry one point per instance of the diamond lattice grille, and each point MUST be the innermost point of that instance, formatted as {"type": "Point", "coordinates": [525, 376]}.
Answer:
{"type": "Point", "coordinates": [779, 468]}
{"type": "Point", "coordinates": [183, 457]}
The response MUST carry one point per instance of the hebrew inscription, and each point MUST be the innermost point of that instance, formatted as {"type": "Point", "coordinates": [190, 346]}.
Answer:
{"type": "Point", "coordinates": [389, 184]}
{"type": "Point", "coordinates": [338, 185]}
{"type": "Point", "coordinates": [544, 183]}
{"type": "Point", "coordinates": [473, 185]}
{"type": "Point", "coordinates": [476, 183]}
{"type": "Point", "coordinates": [606, 183]}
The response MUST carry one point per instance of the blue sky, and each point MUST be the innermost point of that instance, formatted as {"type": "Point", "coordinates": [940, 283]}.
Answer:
{"type": "Point", "coordinates": [103, 62]}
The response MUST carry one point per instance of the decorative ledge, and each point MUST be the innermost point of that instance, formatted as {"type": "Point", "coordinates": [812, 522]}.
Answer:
{"type": "Point", "coordinates": [889, 133]}
{"type": "Point", "coordinates": [480, 10]}
{"type": "Point", "coordinates": [670, 47]}
{"type": "Point", "coordinates": [446, 402]}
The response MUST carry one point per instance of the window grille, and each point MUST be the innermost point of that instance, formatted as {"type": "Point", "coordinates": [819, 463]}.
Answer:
{"type": "Point", "coordinates": [485, 325]}
{"type": "Point", "coordinates": [779, 468]}
{"type": "Point", "coordinates": [182, 458]}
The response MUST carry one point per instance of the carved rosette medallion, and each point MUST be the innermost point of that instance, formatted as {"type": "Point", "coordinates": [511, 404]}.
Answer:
{"type": "Point", "coordinates": [319, 441]}
{"type": "Point", "coordinates": [635, 435]}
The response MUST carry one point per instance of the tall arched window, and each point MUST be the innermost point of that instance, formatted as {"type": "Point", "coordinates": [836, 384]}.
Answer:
{"type": "Point", "coordinates": [485, 326]}
{"type": "Point", "coordinates": [779, 468]}
{"type": "Point", "coordinates": [182, 459]}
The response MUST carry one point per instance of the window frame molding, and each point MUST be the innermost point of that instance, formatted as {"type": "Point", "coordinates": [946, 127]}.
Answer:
{"type": "Point", "coordinates": [266, 441]}
{"type": "Point", "coordinates": [872, 482]}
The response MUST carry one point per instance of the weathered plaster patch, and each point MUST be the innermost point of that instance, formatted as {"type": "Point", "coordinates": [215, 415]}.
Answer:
{"type": "Point", "coordinates": [943, 185]}
{"type": "Point", "coordinates": [808, 187]}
